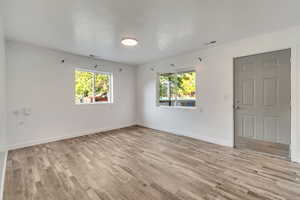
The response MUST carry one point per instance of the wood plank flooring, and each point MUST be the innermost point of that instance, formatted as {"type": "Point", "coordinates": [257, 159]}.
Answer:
{"type": "Point", "coordinates": [144, 164]}
{"type": "Point", "coordinates": [281, 150]}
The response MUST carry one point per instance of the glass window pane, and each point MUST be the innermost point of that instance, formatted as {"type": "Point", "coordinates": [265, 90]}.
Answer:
{"type": "Point", "coordinates": [167, 89]}
{"type": "Point", "coordinates": [84, 82]}
{"type": "Point", "coordinates": [186, 89]}
{"type": "Point", "coordinates": [102, 84]}
{"type": "Point", "coordinates": [164, 90]}
{"type": "Point", "coordinates": [173, 88]}
{"type": "Point", "coordinates": [177, 89]}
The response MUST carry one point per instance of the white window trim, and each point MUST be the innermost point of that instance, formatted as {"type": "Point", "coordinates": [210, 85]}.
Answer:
{"type": "Point", "coordinates": [158, 89]}
{"type": "Point", "coordinates": [110, 92]}
{"type": "Point", "coordinates": [178, 107]}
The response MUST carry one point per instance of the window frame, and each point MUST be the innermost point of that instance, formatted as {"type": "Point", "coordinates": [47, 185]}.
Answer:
{"type": "Point", "coordinates": [95, 72]}
{"type": "Point", "coordinates": [158, 88]}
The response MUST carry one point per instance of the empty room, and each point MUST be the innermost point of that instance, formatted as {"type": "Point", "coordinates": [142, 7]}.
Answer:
{"type": "Point", "coordinates": [149, 100]}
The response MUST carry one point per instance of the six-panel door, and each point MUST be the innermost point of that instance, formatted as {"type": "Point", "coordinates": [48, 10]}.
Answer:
{"type": "Point", "coordinates": [262, 97]}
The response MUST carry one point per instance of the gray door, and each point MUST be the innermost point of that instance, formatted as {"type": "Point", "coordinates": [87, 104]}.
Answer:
{"type": "Point", "coordinates": [262, 102]}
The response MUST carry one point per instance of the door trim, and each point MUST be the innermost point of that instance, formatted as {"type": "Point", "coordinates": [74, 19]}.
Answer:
{"type": "Point", "coordinates": [292, 81]}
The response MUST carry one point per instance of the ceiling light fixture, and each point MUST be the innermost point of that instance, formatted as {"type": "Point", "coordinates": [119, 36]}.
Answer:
{"type": "Point", "coordinates": [129, 42]}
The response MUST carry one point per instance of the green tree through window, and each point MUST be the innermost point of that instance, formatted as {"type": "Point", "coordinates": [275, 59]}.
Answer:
{"type": "Point", "coordinates": [91, 87]}
{"type": "Point", "coordinates": [177, 89]}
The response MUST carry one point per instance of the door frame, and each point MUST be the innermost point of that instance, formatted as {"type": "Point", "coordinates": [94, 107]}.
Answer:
{"type": "Point", "coordinates": [292, 82]}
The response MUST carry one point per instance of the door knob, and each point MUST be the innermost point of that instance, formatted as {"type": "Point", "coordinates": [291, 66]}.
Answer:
{"type": "Point", "coordinates": [237, 107]}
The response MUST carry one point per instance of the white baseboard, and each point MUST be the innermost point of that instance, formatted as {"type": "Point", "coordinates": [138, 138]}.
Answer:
{"type": "Point", "coordinates": [206, 139]}
{"type": "Point", "coordinates": [3, 176]}
{"type": "Point", "coordinates": [294, 159]}
{"type": "Point", "coordinates": [62, 137]}
{"type": "Point", "coordinates": [199, 137]}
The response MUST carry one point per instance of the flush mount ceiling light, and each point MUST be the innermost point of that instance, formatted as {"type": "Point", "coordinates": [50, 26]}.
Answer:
{"type": "Point", "coordinates": [129, 42]}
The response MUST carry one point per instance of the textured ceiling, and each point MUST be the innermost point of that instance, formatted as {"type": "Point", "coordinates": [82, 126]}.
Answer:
{"type": "Point", "coordinates": [163, 27]}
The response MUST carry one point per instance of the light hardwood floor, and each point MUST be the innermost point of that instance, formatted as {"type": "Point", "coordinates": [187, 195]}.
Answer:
{"type": "Point", "coordinates": [144, 164]}
{"type": "Point", "coordinates": [276, 149]}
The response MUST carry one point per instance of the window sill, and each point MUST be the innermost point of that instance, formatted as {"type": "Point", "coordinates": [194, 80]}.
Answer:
{"type": "Point", "coordinates": [178, 107]}
{"type": "Point", "coordinates": [99, 103]}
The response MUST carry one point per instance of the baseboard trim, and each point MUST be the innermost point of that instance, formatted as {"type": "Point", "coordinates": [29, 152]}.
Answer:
{"type": "Point", "coordinates": [206, 139]}
{"type": "Point", "coordinates": [3, 176]}
{"type": "Point", "coordinates": [295, 160]}
{"type": "Point", "coordinates": [63, 137]}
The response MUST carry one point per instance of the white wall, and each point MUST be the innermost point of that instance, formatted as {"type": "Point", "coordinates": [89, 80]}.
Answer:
{"type": "Point", "coordinates": [212, 120]}
{"type": "Point", "coordinates": [2, 89]}
{"type": "Point", "coordinates": [2, 108]}
{"type": "Point", "coordinates": [3, 158]}
{"type": "Point", "coordinates": [38, 81]}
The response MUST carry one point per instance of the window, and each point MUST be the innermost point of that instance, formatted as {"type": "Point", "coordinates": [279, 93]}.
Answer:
{"type": "Point", "coordinates": [177, 89]}
{"type": "Point", "coordinates": [92, 87]}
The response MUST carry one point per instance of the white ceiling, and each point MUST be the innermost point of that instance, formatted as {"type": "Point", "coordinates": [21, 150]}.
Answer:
{"type": "Point", "coordinates": [163, 27]}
